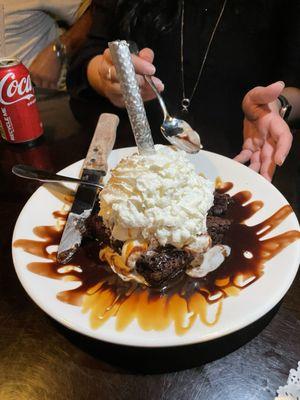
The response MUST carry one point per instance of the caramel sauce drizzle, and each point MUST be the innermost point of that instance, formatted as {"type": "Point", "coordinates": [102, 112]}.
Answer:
{"type": "Point", "coordinates": [103, 294]}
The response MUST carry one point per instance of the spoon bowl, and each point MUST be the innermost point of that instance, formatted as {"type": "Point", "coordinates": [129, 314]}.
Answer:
{"type": "Point", "coordinates": [181, 135]}
{"type": "Point", "coordinates": [177, 131]}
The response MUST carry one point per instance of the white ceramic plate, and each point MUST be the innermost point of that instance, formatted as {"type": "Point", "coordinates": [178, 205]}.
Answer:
{"type": "Point", "coordinates": [251, 304]}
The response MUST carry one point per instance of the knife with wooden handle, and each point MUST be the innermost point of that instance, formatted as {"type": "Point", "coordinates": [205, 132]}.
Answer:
{"type": "Point", "coordinates": [94, 169]}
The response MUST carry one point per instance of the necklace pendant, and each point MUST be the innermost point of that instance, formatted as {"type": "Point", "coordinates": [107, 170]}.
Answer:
{"type": "Point", "coordinates": [185, 104]}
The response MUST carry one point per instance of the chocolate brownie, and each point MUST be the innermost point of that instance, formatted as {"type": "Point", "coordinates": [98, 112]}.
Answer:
{"type": "Point", "coordinates": [221, 203]}
{"type": "Point", "coordinates": [162, 264]}
{"type": "Point", "coordinates": [217, 228]}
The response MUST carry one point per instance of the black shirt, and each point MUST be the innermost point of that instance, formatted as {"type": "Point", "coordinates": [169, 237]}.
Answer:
{"type": "Point", "coordinates": [257, 42]}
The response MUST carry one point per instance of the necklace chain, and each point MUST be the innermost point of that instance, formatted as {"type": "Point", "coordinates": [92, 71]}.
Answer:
{"type": "Point", "coordinates": [186, 101]}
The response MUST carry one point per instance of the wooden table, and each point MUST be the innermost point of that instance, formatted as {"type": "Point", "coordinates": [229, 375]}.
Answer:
{"type": "Point", "coordinates": [39, 359]}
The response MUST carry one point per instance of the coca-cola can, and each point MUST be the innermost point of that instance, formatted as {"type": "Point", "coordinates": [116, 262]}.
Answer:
{"type": "Point", "coordinates": [19, 116]}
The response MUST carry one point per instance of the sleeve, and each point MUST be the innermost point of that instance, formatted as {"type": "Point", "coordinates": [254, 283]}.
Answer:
{"type": "Point", "coordinates": [67, 11]}
{"type": "Point", "coordinates": [100, 34]}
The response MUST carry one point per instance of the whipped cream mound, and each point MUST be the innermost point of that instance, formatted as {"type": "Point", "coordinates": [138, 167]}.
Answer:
{"type": "Point", "coordinates": [158, 198]}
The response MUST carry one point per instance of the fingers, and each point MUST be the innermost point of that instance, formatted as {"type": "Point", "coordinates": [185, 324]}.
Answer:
{"type": "Point", "coordinates": [255, 162]}
{"type": "Point", "coordinates": [268, 165]}
{"type": "Point", "coordinates": [147, 54]}
{"type": "Point", "coordinates": [142, 65]}
{"type": "Point", "coordinates": [248, 155]}
{"type": "Point", "coordinates": [146, 92]}
{"type": "Point", "coordinates": [114, 92]}
{"type": "Point", "coordinates": [260, 161]}
{"type": "Point", "coordinates": [107, 56]}
{"type": "Point", "coordinates": [283, 147]}
{"type": "Point", "coordinates": [250, 145]}
{"type": "Point", "coordinates": [264, 95]}
{"type": "Point", "coordinates": [255, 102]}
{"type": "Point", "coordinates": [158, 83]}
{"type": "Point", "coordinates": [244, 156]}
{"type": "Point", "coordinates": [107, 69]}
{"type": "Point", "coordinates": [144, 86]}
{"type": "Point", "coordinates": [111, 73]}
{"type": "Point", "coordinates": [281, 134]}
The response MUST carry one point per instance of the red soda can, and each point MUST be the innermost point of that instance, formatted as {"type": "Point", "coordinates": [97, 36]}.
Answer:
{"type": "Point", "coordinates": [19, 116]}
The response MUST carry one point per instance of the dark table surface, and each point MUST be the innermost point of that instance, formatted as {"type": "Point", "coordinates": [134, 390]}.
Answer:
{"type": "Point", "coordinates": [40, 360]}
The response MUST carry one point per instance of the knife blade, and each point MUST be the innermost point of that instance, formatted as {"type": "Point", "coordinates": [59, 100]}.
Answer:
{"type": "Point", "coordinates": [94, 169]}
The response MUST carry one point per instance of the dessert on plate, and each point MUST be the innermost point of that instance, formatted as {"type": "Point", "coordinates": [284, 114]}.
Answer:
{"type": "Point", "coordinates": [159, 219]}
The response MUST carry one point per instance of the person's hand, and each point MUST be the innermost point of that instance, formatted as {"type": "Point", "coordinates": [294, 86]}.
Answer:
{"type": "Point", "coordinates": [267, 137]}
{"type": "Point", "coordinates": [45, 69]}
{"type": "Point", "coordinates": [103, 78]}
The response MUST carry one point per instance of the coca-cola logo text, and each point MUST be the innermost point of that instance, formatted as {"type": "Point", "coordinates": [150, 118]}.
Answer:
{"type": "Point", "coordinates": [12, 91]}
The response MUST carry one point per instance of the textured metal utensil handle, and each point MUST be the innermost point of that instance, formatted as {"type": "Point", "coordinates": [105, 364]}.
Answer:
{"type": "Point", "coordinates": [102, 143]}
{"type": "Point", "coordinates": [121, 57]}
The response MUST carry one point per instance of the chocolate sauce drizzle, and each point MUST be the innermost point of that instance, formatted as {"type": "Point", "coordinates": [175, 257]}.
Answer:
{"type": "Point", "coordinates": [104, 295]}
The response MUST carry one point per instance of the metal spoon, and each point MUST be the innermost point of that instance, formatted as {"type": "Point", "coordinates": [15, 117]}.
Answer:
{"type": "Point", "coordinates": [177, 131]}
{"type": "Point", "coordinates": [29, 172]}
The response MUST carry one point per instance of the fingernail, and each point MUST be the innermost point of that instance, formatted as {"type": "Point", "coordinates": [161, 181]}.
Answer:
{"type": "Point", "coordinates": [150, 69]}
{"type": "Point", "coordinates": [282, 83]}
{"type": "Point", "coordinates": [157, 82]}
{"type": "Point", "coordinates": [281, 161]}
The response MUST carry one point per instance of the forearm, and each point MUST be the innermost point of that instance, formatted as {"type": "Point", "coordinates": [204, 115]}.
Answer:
{"type": "Point", "coordinates": [74, 37]}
